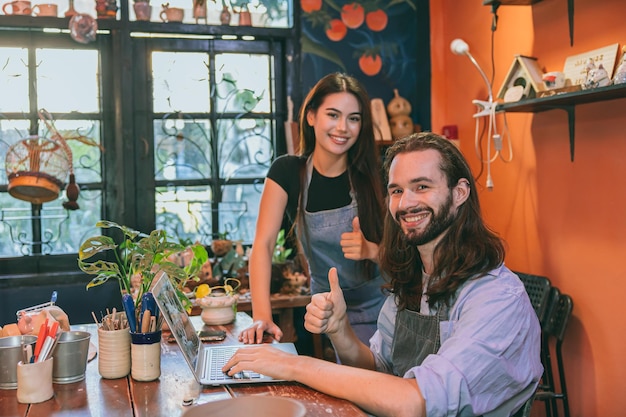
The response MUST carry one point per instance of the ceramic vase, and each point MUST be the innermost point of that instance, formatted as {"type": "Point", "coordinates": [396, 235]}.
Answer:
{"type": "Point", "coordinates": [225, 16]}
{"type": "Point", "coordinates": [199, 10]}
{"type": "Point", "coordinates": [143, 10]}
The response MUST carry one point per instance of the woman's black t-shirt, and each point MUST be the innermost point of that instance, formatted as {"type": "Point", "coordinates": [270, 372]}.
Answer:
{"type": "Point", "coordinates": [325, 193]}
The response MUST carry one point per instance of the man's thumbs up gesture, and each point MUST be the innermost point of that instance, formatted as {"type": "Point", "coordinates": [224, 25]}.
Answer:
{"type": "Point", "coordinates": [326, 313]}
{"type": "Point", "coordinates": [355, 246]}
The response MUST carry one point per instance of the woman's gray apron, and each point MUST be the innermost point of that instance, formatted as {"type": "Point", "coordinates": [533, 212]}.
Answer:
{"type": "Point", "coordinates": [323, 251]}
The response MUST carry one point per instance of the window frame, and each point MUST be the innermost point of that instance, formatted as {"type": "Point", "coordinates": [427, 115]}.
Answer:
{"type": "Point", "coordinates": [121, 111]}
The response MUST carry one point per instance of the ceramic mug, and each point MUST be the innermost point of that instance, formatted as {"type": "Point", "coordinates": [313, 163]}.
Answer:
{"type": "Point", "coordinates": [172, 14]}
{"type": "Point", "coordinates": [17, 7]}
{"type": "Point", "coordinates": [46, 9]}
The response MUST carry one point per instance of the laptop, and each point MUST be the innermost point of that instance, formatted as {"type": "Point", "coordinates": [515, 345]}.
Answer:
{"type": "Point", "coordinates": [205, 361]}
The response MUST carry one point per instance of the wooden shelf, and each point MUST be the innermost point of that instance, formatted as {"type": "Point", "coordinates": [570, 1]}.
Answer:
{"type": "Point", "coordinates": [567, 102]}
{"type": "Point", "coordinates": [34, 23]}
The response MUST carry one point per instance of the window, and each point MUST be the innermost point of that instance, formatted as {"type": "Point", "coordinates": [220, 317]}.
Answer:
{"type": "Point", "coordinates": [164, 130]}
{"type": "Point", "coordinates": [45, 72]}
{"type": "Point", "coordinates": [213, 130]}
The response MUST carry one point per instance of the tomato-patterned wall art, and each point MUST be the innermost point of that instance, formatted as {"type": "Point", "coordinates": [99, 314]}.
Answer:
{"type": "Point", "coordinates": [383, 43]}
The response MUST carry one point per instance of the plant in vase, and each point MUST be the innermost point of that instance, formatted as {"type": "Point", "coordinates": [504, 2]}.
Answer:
{"type": "Point", "coordinates": [218, 302]}
{"type": "Point", "coordinates": [137, 259]}
{"type": "Point", "coordinates": [286, 277]}
{"type": "Point", "coordinates": [228, 257]}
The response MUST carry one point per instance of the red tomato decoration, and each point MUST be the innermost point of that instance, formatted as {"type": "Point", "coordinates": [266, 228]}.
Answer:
{"type": "Point", "coordinates": [376, 20]}
{"type": "Point", "coordinates": [370, 64]}
{"type": "Point", "coordinates": [353, 15]}
{"type": "Point", "coordinates": [309, 6]}
{"type": "Point", "coordinates": [336, 30]}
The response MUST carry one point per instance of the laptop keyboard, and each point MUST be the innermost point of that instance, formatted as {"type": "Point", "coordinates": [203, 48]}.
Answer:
{"type": "Point", "coordinates": [219, 357]}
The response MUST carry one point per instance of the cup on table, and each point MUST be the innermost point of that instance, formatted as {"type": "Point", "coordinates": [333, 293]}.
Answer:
{"type": "Point", "coordinates": [70, 357]}
{"type": "Point", "coordinates": [17, 7]}
{"type": "Point", "coordinates": [113, 353]}
{"type": "Point", "coordinates": [172, 14]}
{"type": "Point", "coordinates": [46, 9]}
{"type": "Point", "coordinates": [34, 381]}
{"type": "Point", "coordinates": [145, 355]}
{"type": "Point", "coordinates": [10, 355]}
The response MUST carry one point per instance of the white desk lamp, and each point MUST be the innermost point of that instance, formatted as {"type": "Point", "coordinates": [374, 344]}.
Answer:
{"type": "Point", "coordinates": [485, 108]}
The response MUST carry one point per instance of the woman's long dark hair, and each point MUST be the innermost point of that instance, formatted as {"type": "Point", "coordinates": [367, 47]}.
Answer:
{"type": "Point", "coordinates": [469, 249]}
{"type": "Point", "coordinates": [364, 166]}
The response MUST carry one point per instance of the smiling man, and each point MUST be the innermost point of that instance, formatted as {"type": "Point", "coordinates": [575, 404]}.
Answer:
{"type": "Point", "coordinates": [457, 335]}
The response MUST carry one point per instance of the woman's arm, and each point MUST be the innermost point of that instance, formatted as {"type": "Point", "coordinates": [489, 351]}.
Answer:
{"type": "Point", "coordinates": [271, 210]}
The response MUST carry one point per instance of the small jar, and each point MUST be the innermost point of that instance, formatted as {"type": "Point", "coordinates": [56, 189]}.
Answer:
{"type": "Point", "coordinates": [145, 356]}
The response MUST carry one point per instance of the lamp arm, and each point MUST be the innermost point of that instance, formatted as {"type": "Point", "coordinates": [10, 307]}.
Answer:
{"type": "Point", "coordinates": [482, 73]}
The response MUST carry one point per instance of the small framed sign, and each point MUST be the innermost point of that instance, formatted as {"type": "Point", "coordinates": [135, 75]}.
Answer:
{"type": "Point", "coordinates": [575, 66]}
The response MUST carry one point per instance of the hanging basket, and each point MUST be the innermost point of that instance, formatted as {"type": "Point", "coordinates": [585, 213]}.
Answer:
{"type": "Point", "coordinates": [37, 167]}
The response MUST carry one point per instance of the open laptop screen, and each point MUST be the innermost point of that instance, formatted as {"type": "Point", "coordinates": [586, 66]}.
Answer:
{"type": "Point", "coordinates": [177, 319]}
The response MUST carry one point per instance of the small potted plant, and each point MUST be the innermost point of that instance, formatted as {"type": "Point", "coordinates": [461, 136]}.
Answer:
{"type": "Point", "coordinates": [218, 302]}
{"type": "Point", "coordinates": [137, 259]}
{"type": "Point", "coordinates": [281, 264]}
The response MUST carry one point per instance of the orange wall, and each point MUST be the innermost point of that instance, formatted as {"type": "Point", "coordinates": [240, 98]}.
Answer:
{"type": "Point", "coordinates": [562, 219]}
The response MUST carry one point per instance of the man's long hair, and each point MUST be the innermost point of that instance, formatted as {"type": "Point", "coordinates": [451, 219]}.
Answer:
{"type": "Point", "coordinates": [467, 250]}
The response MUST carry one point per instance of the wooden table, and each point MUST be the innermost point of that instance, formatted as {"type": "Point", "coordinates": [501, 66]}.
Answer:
{"type": "Point", "coordinates": [123, 397]}
{"type": "Point", "coordinates": [282, 305]}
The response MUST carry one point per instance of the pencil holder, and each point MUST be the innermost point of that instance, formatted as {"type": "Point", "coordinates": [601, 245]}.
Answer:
{"type": "Point", "coordinates": [34, 381]}
{"type": "Point", "coordinates": [113, 353]}
{"type": "Point", "coordinates": [145, 353]}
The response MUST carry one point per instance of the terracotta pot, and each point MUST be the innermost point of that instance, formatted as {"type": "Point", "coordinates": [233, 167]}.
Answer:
{"type": "Point", "coordinates": [218, 309]}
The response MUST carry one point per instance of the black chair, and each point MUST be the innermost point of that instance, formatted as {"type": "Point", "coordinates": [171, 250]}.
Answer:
{"type": "Point", "coordinates": [542, 297]}
{"type": "Point", "coordinates": [538, 289]}
{"type": "Point", "coordinates": [555, 329]}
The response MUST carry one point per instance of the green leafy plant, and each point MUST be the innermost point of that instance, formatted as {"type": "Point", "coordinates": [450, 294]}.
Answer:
{"type": "Point", "coordinates": [281, 254]}
{"type": "Point", "coordinates": [138, 254]}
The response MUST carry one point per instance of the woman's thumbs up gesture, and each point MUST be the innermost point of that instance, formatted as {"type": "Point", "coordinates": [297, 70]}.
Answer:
{"type": "Point", "coordinates": [355, 246]}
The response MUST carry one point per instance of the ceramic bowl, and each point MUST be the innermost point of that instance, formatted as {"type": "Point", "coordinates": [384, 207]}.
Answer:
{"type": "Point", "coordinates": [249, 406]}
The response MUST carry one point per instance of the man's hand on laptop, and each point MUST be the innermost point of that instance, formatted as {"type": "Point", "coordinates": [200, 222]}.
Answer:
{"type": "Point", "coordinates": [266, 360]}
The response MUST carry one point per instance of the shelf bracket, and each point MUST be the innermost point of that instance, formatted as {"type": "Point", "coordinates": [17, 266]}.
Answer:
{"type": "Point", "coordinates": [571, 124]}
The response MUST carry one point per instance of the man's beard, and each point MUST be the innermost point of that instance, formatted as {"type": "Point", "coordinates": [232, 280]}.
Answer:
{"type": "Point", "coordinates": [438, 224]}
